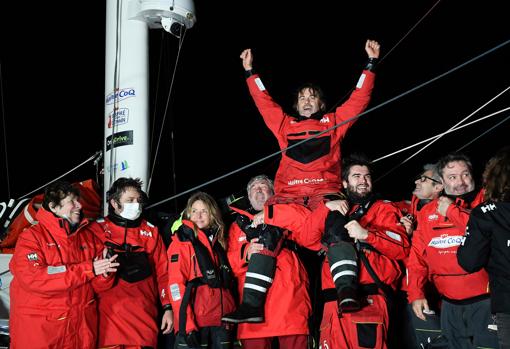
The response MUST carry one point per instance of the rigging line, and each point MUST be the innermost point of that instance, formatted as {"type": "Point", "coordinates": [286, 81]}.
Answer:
{"type": "Point", "coordinates": [337, 125]}
{"type": "Point", "coordinates": [271, 155]}
{"type": "Point", "coordinates": [116, 94]}
{"type": "Point", "coordinates": [93, 157]}
{"type": "Point", "coordinates": [391, 50]}
{"type": "Point", "coordinates": [5, 133]}
{"type": "Point", "coordinates": [434, 140]}
{"type": "Point", "coordinates": [487, 131]}
{"type": "Point", "coordinates": [409, 32]}
{"type": "Point", "coordinates": [440, 134]}
{"type": "Point", "coordinates": [181, 41]}
{"type": "Point", "coordinates": [162, 42]}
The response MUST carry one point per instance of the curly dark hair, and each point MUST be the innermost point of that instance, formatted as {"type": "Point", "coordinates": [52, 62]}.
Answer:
{"type": "Point", "coordinates": [497, 176]}
{"type": "Point", "coordinates": [56, 192]}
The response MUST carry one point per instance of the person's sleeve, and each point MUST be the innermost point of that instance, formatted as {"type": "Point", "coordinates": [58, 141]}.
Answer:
{"type": "Point", "coordinates": [358, 100]}
{"type": "Point", "coordinates": [160, 260]}
{"type": "Point", "coordinates": [237, 247]}
{"type": "Point", "coordinates": [272, 113]}
{"type": "Point", "coordinates": [417, 269]}
{"type": "Point", "coordinates": [473, 254]}
{"type": "Point", "coordinates": [30, 268]}
{"type": "Point", "coordinates": [388, 235]}
{"type": "Point", "coordinates": [101, 283]}
{"type": "Point", "coordinates": [179, 272]}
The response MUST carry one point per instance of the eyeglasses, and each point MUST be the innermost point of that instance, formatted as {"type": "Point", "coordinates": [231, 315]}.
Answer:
{"type": "Point", "coordinates": [423, 178]}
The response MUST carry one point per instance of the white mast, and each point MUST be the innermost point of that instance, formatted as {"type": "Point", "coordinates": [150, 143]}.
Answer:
{"type": "Point", "coordinates": [126, 152]}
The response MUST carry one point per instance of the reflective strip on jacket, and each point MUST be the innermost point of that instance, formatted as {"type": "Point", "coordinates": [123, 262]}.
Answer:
{"type": "Point", "coordinates": [287, 306]}
{"type": "Point", "coordinates": [312, 167]}
{"type": "Point", "coordinates": [53, 301]}
{"type": "Point", "coordinates": [207, 305]}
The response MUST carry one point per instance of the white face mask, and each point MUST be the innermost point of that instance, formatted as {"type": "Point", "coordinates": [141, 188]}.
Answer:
{"type": "Point", "coordinates": [131, 211]}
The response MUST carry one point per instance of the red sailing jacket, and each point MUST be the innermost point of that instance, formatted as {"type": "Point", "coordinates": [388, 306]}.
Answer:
{"type": "Point", "coordinates": [287, 306]}
{"type": "Point", "coordinates": [128, 312]}
{"type": "Point", "coordinates": [207, 305]}
{"type": "Point", "coordinates": [385, 234]}
{"type": "Point", "coordinates": [312, 168]}
{"type": "Point", "coordinates": [52, 293]}
{"type": "Point", "coordinates": [434, 253]}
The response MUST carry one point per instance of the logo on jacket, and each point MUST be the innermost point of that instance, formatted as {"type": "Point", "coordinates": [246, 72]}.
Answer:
{"type": "Point", "coordinates": [488, 207]}
{"type": "Point", "coordinates": [146, 233]}
{"type": "Point", "coordinates": [433, 217]}
{"type": "Point", "coordinates": [305, 181]}
{"type": "Point", "coordinates": [446, 241]}
{"type": "Point", "coordinates": [324, 120]}
{"type": "Point", "coordinates": [32, 256]}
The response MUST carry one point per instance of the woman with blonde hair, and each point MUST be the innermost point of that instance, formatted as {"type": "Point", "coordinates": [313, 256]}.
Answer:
{"type": "Point", "coordinates": [200, 276]}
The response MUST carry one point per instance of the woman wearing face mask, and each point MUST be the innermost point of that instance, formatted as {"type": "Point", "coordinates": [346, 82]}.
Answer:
{"type": "Point", "coordinates": [200, 276]}
{"type": "Point", "coordinates": [128, 312]}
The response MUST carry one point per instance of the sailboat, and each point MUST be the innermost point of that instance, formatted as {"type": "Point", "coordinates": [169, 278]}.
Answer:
{"type": "Point", "coordinates": [126, 117]}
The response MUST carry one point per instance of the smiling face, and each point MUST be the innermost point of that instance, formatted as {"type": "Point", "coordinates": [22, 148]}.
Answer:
{"type": "Point", "coordinates": [426, 187]}
{"type": "Point", "coordinates": [68, 208]}
{"type": "Point", "coordinates": [308, 102]}
{"type": "Point", "coordinates": [200, 215]}
{"type": "Point", "coordinates": [260, 191]}
{"type": "Point", "coordinates": [457, 178]}
{"type": "Point", "coordinates": [359, 181]}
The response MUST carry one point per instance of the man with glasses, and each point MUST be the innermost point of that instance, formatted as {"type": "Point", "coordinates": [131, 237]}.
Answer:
{"type": "Point", "coordinates": [465, 312]}
{"type": "Point", "coordinates": [425, 327]}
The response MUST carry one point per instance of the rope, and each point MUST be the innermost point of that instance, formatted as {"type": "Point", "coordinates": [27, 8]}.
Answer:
{"type": "Point", "coordinates": [487, 131]}
{"type": "Point", "coordinates": [434, 140]}
{"type": "Point", "coordinates": [181, 41]}
{"type": "Point", "coordinates": [391, 50]}
{"type": "Point", "coordinates": [93, 157]}
{"type": "Point", "coordinates": [440, 135]}
{"type": "Point", "coordinates": [338, 125]}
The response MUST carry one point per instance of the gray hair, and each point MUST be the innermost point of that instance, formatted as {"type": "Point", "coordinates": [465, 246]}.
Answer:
{"type": "Point", "coordinates": [435, 171]}
{"type": "Point", "coordinates": [260, 178]}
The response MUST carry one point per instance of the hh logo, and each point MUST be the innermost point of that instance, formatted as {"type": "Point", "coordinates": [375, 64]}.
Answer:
{"type": "Point", "coordinates": [146, 233]}
{"type": "Point", "coordinates": [324, 120]}
{"type": "Point", "coordinates": [488, 207]}
{"type": "Point", "coordinates": [32, 256]}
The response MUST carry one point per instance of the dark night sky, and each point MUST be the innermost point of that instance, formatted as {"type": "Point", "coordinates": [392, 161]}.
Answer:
{"type": "Point", "coordinates": [52, 58]}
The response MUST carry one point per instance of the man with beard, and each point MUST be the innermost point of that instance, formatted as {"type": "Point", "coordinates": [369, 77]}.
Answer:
{"type": "Point", "coordinates": [374, 226]}
{"type": "Point", "coordinates": [309, 171]}
{"type": "Point", "coordinates": [465, 311]}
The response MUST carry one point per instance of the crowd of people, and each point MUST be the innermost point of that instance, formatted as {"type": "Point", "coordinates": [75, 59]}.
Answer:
{"type": "Point", "coordinates": [429, 272]}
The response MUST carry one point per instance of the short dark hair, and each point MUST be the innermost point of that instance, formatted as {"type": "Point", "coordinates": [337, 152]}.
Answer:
{"type": "Point", "coordinates": [120, 186]}
{"type": "Point", "coordinates": [445, 160]}
{"type": "Point", "coordinates": [317, 91]}
{"type": "Point", "coordinates": [354, 160]}
{"type": "Point", "coordinates": [56, 192]}
{"type": "Point", "coordinates": [497, 176]}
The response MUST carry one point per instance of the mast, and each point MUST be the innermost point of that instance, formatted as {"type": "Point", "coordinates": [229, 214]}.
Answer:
{"type": "Point", "coordinates": [126, 112]}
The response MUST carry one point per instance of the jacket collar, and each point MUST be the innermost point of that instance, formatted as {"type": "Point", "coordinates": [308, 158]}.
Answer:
{"type": "Point", "coordinates": [56, 225]}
